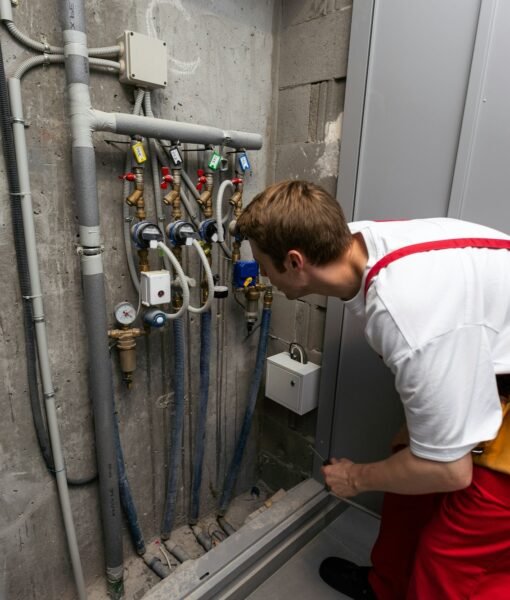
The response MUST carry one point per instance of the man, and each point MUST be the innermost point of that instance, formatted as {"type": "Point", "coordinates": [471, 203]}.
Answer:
{"type": "Point", "coordinates": [434, 298]}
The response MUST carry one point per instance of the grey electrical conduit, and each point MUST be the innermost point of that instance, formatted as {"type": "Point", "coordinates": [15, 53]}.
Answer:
{"type": "Point", "coordinates": [7, 18]}
{"type": "Point", "coordinates": [18, 125]}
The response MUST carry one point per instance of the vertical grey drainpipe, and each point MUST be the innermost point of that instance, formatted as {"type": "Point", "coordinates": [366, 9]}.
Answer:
{"type": "Point", "coordinates": [100, 373]}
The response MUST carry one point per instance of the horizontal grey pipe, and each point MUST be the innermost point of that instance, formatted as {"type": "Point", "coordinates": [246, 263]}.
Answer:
{"type": "Point", "coordinates": [174, 130]}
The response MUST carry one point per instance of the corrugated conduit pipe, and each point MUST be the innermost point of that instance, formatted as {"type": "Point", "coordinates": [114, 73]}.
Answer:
{"type": "Point", "coordinates": [40, 326]}
{"type": "Point", "coordinates": [24, 280]}
{"type": "Point", "coordinates": [235, 465]}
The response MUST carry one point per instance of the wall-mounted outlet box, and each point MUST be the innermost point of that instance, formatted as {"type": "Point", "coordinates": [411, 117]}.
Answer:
{"type": "Point", "coordinates": [293, 384]}
{"type": "Point", "coordinates": [155, 287]}
{"type": "Point", "coordinates": [142, 60]}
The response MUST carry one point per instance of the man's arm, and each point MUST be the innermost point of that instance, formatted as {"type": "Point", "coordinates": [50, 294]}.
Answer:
{"type": "Point", "coordinates": [401, 473]}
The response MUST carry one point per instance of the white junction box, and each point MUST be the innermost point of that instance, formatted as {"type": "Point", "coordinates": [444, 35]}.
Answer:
{"type": "Point", "coordinates": [142, 60]}
{"type": "Point", "coordinates": [155, 287]}
{"type": "Point", "coordinates": [293, 384]}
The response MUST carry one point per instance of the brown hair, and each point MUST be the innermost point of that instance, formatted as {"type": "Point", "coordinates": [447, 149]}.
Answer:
{"type": "Point", "coordinates": [296, 215]}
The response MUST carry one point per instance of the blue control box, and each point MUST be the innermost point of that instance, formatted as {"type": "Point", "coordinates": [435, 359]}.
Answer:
{"type": "Point", "coordinates": [245, 270]}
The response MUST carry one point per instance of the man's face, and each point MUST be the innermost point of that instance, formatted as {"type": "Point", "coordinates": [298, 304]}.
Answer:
{"type": "Point", "coordinates": [286, 281]}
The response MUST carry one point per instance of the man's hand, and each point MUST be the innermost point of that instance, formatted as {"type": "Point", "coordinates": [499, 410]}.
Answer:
{"type": "Point", "coordinates": [337, 477]}
{"type": "Point", "coordinates": [401, 473]}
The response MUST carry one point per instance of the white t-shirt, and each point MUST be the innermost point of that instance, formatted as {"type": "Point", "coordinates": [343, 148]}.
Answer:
{"type": "Point", "coordinates": [441, 322]}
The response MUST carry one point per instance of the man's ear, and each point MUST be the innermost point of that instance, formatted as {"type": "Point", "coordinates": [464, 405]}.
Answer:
{"type": "Point", "coordinates": [294, 260]}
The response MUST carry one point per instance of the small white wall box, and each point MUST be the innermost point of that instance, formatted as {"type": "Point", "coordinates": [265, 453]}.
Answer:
{"type": "Point", "coordinates": [293, 384]}
{"type": "Point", "coordinates": [142, 60]}
{"type": "Point", "coordinates": [155, 287]}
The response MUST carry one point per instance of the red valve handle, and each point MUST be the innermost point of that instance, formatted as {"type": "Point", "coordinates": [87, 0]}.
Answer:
{"type": "Point", "coordinates": [237, 180]}
{"type": "Point", "coordinates": [128, 176]}
{"type": "Point", "coordinates": [165, 181]}
{"type": "Point", "coordinates": [201, 179]}
{"type": "Point", "coordinates": [166, 178]}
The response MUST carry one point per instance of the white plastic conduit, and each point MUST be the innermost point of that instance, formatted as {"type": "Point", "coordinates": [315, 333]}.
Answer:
{"type": "Point", "coordinates": [210, 281]}
{"type": "Point", "coordinates": [219, 208]}
{"type": "Point", "coordinates": [182, 278]}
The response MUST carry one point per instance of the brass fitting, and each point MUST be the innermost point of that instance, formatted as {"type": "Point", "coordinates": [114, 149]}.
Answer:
{"type": "Point", "coordinates": [268, 296]}
{"type": "Point", "coordinates": [236, 251]}
{"type": "Point", "coordinates": [143, 260]}
{"type": "Point", "coordinates": [136, 197]}
{"type": "Point", "coordinates": [236, 200]}
{"type": "Point", "coordinates": [173, 198]}
{"type": "Point", "coordinates": [205, 199]}
{"type": "Point", "coordinates": [126, 345]}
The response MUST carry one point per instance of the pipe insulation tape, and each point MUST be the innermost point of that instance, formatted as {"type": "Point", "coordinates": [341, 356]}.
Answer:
{"type": "Point", "coordinates": [5, 10]}
{"type": "Point", "coordinates": [91, 265]}
{"type": "Point", "coordinates": [75, 43]}
{"type": "Point", "coordinates": [90, 237]}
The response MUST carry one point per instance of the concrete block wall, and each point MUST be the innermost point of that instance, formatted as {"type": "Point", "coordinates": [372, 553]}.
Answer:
{"type": "Point", "coordinates": [220, 74]}
{"type": "Point", "coordinates": [312, 68]}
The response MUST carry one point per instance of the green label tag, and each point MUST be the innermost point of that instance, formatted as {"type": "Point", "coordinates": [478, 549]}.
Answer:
{"type": "Point", "coordinates": [214, 163]}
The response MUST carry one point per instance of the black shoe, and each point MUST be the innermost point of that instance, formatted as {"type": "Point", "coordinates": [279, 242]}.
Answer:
{"type": "Point", "coordinates": [347, 577]}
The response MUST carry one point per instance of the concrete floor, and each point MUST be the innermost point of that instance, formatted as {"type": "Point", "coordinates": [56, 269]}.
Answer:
{"type": "Point", "coordinates": [351, 536]}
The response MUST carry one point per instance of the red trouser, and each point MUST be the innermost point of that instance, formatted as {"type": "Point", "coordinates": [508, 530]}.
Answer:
{"type": "Point", "coordinates": [446, 546]}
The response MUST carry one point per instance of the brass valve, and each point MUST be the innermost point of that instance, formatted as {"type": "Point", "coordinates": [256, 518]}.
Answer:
{"type": "Point", "coordinates": [126, 344]}
{"type": "Point", "coordinates": [136, 197]}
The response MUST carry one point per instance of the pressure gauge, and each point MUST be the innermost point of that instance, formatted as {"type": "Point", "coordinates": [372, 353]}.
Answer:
{"type": "Point", "coordinates": [125, 313]}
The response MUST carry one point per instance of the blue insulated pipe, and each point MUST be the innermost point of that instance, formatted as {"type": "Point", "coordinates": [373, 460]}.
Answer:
{"type": "Point", "coordinates": [176, 430]}
{"type": "Point", "coordinates": [126, 499]}
{"type": "Point", "coordinates": [198, 458]}
{"type": "Point", "coordinates": [235, 465]}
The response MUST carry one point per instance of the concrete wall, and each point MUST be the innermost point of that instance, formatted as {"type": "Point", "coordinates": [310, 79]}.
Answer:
{"type": "Point", "coordinates": [312, 67]}
{"type": "Point", "coordinates": [220, 74]}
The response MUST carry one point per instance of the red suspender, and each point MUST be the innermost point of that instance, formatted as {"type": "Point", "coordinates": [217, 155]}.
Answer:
{"type": "Point", "coordinates": [494, 244]}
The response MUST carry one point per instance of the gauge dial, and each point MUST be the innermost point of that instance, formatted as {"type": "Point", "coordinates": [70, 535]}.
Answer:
{"type": "Point", "coordinates": [125, 313]}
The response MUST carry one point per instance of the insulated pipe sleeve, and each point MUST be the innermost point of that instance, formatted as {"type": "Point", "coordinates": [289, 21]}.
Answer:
{"type": "Point", "coordinates": [174, 130]}
{"type": "Point", "coordinates": [210, 281]}
{"type": "Point", "coordinates": [126, 497]}
{"type": "Point", "coordinates": [72, 14]}
{"type": "Point", "coordinates": [198, 458]}
{"type": "Point", "coordinates": [235, 465]}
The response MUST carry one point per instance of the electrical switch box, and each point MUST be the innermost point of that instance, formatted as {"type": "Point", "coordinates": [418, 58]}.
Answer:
{"type": "Point", "coordinates": [293, 384]}
{"type": "Point", "coordinates": [155, 287]}
{"type": "Point", "coordinates": [143, 60]}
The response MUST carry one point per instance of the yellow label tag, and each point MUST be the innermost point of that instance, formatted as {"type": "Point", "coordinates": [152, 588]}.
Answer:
{"type": "Point", "coordinates": [247, 281]}
{"type": "Point", "coordinates": [139, 152]}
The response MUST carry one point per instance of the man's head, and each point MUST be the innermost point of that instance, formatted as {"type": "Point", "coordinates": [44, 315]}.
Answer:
{"type": "Point", "coordinates": [296, 215]}
{"type": "Point", "coordinates": [294, 220]}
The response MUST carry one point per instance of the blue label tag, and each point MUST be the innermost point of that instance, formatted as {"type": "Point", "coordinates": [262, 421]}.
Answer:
{"type": "Point", "coordinates": [244, 163]}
